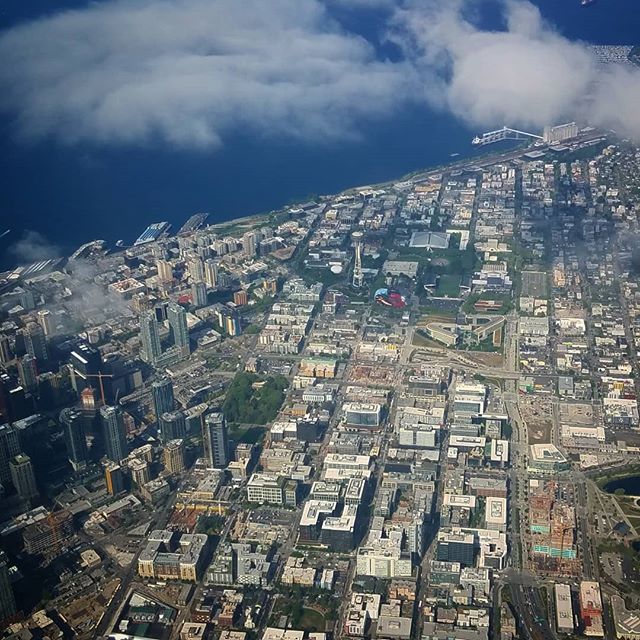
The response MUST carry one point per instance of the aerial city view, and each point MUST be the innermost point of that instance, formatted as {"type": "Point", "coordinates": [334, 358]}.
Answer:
{"type": "Point", "coordinates": [234, 409]}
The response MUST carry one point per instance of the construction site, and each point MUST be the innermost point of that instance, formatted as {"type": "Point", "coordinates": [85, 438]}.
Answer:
{"type": "Point", "coordinates": [552, 528]}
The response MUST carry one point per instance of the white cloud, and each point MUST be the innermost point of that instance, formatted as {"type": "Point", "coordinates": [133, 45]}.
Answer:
{"type": "Point", "coordinates": [524, 75]}
{"type": "Point", "coordinates": [190, 71]}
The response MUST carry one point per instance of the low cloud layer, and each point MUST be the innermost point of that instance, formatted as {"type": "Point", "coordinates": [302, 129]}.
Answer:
{"type": "Point", "coordinates": [33, 247]}
{"type": "Point", "coordinates": [526, 74]}
{"type": "Point", "coordinates": [192, 72]}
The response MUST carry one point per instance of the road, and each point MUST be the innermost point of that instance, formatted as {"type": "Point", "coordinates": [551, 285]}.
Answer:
{"type": "Point", "coordinates": [128, 575]}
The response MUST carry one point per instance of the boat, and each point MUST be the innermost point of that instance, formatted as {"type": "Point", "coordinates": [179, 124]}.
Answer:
{"type": "Point", "coordinates": [586, 3]}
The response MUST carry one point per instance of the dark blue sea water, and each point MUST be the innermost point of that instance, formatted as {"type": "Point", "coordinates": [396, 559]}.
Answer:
{"type": "Point", "coordinates": [72, 195]}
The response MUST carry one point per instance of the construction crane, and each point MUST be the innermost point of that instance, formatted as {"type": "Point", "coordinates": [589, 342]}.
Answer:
{"type": "Point", "coordinates": [99, 376]}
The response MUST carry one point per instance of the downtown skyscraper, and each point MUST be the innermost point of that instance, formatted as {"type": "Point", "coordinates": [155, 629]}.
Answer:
{"type": "Point", "coordinates": [115, 441]}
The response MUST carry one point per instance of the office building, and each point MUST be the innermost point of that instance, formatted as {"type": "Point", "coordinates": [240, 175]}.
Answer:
{"type": "Point", "coordinates": [455, 547]}
{"type": "Point", "coordinates": [271, 488]}
{"type": "Point", "coordinates": [114, 478]}
{"type": "Point", "coordinates": [115, 442]}
{"type": "Point", "coordinates": [86, 364]}
{"type": "Point", "coordinates": [27, 300]}
{"type": "Point", "coordinates": [9, 449]}
{"type": "Point", "coordinates": [150, 337]}
{"type": "Point", "coordinates": [178, 330]}
{"type": "Point", "coordinates": [216, 440]}
{"type": "Point", "coordinates": [173, 456]}
{"type": "Point", "coordinates": [6, 352]}
{"type": "Point", "coordinates": [172, 425]}
{"type": "Point", "coordinates": [23, 477]}
{"type": "Point", "coordinates": [73, 422]}
{"type": "Point", "coordinates": [211, 274]}
{"type": "Point", "coordinates": [14, 402]}
{"type": "Point", "coordinates": [7, 599]}
{"type": "Point", "coordinates": [362, 415]}
{"type": "Point", "coordinates": [35, 342]}
{"type": "Point", "coordinates": [163, 398]}
{"type": "Point", "coordinates": [45, 320]}
{"type": "Point", "coordinates": [199, 294]}
{"type": "Point", "coordinates": [28, 372]}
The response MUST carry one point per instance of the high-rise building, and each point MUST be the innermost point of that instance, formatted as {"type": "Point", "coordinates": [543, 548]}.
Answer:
{"type": "Point", "coordinates": [23, 477]}
{"type": "Point", "coordinates": [114, 478]}
{"type": "Point", "coordinates": [27, 300]}
{"type": "Point", "coordinates": [86, 364]}
{"type": "Point", "coordinates": [165, 271]}
{"type": "Point", "coordinates": [171, 426]}
{"type": "Point", "coordinates": [139, 472]}
{"type": "Point", "coordinates": [211, 274]}
{"type": "Point", "coordinates": [9, 449]}
{"type": "Point", "coordinates": [115, 442]}
{"type": "Point", "coordinates": [232, 324]}
{"type": "Point", "coordinates": [150, 337]}
{"type": "Point", "coordinates": [88, 400]}
{"type": "Point", "coordinates": [73, 422]}
{"type": "Point", "coordinates": [6, 352]}
{"type": "Point", "coordinates": [7, 599]}
{"type": "Point", "coordinates": [216, 439]}
{"type": "Point", "coordinates": [196, 269]}
{"type": "Point", "coordinates": [240, 298]}
{"type": "Point", "coordinates": [36, 341]}
{"type": "Point", "coordinates": [28, 372]}
{"type": "Point", "coordinates": [14, 403]}
{"type": "Point", "coordinates": [178, 330]}
{"type": "Point", "coordinates": [45, 319]}
{"type": "Point", "coordinates": [163, 399]}
{"type": "Point", "coordinates": [250, 243]}
{"type": "Point", "coordinates": [174, 456]}
{"type": "Point", "coordinates": [199, 294]}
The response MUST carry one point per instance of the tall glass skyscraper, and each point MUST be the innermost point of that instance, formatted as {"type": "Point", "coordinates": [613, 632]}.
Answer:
{"type": "Point", "coordinates": [9, 448]}
{"type": "Point", "coordinates": [115, 441]}
{"type": "Point", "coordinates": [163, 399]}
{"type": "Point", "coordinates": [75, 438]}
{"type": "Point", "coordinates": [23, 477]}
{"type": "Point", "coordinates": [178, 331]}
{"type": "Point", "coordinates": [36, 342]}
{"type": "Point", "coordinates": [172, 426]}
{"type": "Point", "coordinates": [7, 599]}
{"type": "Point", "coordinates": [150, 337]}
{"type": "Point", "coordinates": [216, 440]}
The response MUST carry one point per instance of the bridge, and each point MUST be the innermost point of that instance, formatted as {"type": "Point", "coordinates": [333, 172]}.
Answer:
{"type": "Point", "coordinates": [506, 133]}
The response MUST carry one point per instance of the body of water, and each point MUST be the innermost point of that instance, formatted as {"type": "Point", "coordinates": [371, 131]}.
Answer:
{"type": "Point", "coordinates": [75, 194]}
{"type": "Point", "coordinates": [630, 485]}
